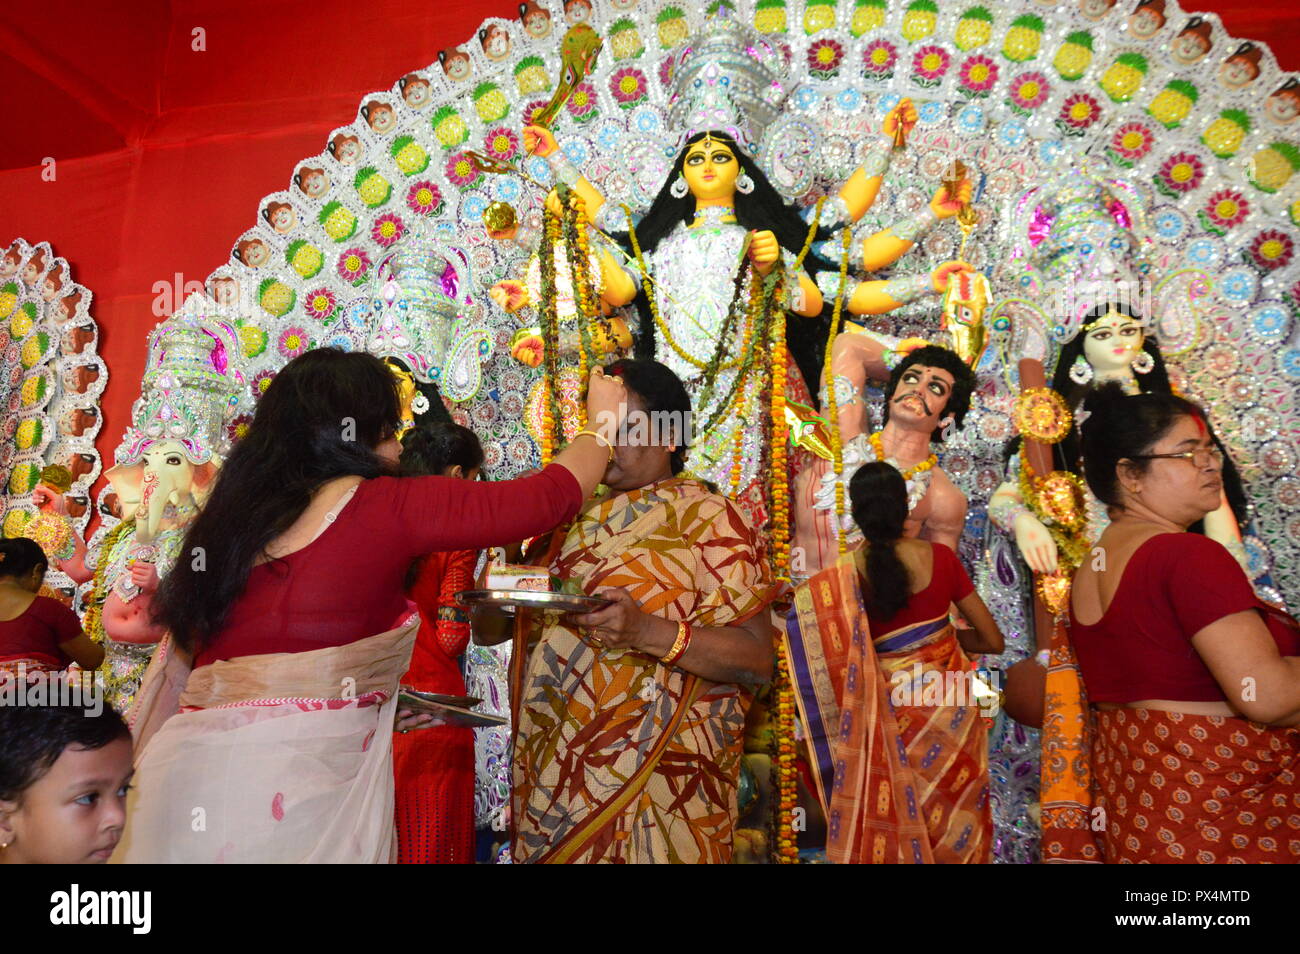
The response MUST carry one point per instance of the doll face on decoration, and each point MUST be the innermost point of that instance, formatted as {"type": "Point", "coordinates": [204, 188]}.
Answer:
{"type": "Point", "coordinates": [1095, 9]}
{"type": "Point", "coordinates": [495, 41]}
{"type": "Point", "coordinates": [1112, 343]}
{"type": "Point", "coordinates": [711, 170]}
{"type": "Point", "coordinates": [1147, 19]}
{"type": "Point", "coordinates": [80, 378]}
{"type": "Point", "coordinates": [253, 253]}
{"type": "Point", "coordinates": [346, 149]}
{"type": "Point", "coordinates": [1193, 43]}
{"type": "Point", "coordinates": [33, 268]}
{"type": "Point", "coordinates": [9, 264]}
{"type": "Point", "coordinates": [280, 216]}
{"type": "Point", "coordinates": [623, 4]}
{"type": "Point", "coordinates": [314, 183]}
{"type": "Point", "coordinates": [456, 64]}
{"type": "Point", "coordinates": [415, 91]}
{"type": "Point", "coordinates": [1284, 105]}
{"type": "Point", "coordinates": [576, 11]}
{"type": "Point", "coordinates": [1240, 69]}
{"type": "Point", "coordinates": [52, 285]}
{"type": "Point", "coordinates": [380, 115]}
{"type": "Point", "coordinates": [225, 291]}
{"type": "Point", "coordinates": [78, 338]}
{"type": "Point", "coordinates": [537, 21]}
{"type": "Point", "coordinates": [80, 419]}
{"type": "Point", "coordinates": [67, 307]}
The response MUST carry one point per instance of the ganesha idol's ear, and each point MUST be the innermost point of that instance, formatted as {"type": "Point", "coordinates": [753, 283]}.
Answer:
{"type": "Point", "coordinates": [127, 481]}
{"type": "Point", "coordinates": [205, 475]}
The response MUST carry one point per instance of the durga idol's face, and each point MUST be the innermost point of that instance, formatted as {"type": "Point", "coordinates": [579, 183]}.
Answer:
{"type": "Point", "coordinates": [711, 170]}
{"type": "Point", "coordinates": [1112, 343]}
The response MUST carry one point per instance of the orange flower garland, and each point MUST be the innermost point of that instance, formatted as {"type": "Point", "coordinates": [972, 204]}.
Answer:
{"type": "Point", "coordinates": [786, 847]}
{"type": "Point", "coordinates": [780, 437]}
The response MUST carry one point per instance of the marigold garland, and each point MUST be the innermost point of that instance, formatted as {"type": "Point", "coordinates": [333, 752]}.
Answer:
{"type": "Point", "coordinates": [94, 618]}
{"type": "Point", "coordinates": [550, 334]}
{"type": "Point", "coordinates": [785, 846]}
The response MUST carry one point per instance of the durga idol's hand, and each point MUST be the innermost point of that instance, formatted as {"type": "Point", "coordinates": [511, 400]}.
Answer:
{"type": "Point", "coordinates": [764, 250]}
{"type": "Point", "coordinates": [1035, 543]}
{"type": "Point", "coordinates": [539, 141]}
{"type": "Point", "coordinates": [606, 403]}
{"type": "Point", "coordinates": [905, 113]}
{"type": "Point", "coordinates": [945, 206]}
{"type": "Point", "coordinates": [940, 276]}
{"type": "Point", "coordinates": [510, 295]}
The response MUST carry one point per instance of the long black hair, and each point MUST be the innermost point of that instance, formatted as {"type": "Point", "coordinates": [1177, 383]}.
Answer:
{"type": "Point", "coordinates": [19, 556]}
{"type": "Point", "coordinates": [878, 495]}
{"type": "Point", "coordinates": [321, 418]}
{"type": "Point", "coordinates": [1069, 452]}
{"type": "Point", "coordinates": [763, 208]}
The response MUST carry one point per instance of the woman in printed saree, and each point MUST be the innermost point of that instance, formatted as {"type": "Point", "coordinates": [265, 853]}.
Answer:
{"type": "Point", "coordinates": [891, 703]}
{"type": "Point", "coordinates": [1194, 683]}
{"type": "Point", "coordinates": [630, 720]}
{"type": "Point", "coordinates": [265, 719]}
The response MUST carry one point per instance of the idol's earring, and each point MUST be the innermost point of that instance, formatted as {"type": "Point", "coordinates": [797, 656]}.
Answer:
{"type": "Point", "coordinates": [420, 403]}
{"type": "Point", "coordinates": [1081, 370]}
{"type": "Point", "coordinates": [744, 184]}
{"type": "Point", "coordinates": [679, 188]}
{"type": "Point", "coordinates": [1143, 363]}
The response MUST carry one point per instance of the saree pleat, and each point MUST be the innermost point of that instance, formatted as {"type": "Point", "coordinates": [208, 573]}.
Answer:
{"type": "Point", "coordinates": [900, 784]}
{"type": "Point", "coordinates": [274, 758]}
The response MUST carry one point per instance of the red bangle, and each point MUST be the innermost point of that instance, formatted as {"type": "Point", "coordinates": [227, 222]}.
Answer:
{"type": "Point", "coordinates": [679, 645]}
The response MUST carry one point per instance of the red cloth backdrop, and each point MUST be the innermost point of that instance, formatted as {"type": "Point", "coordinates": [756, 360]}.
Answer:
{"type": "Point", "coordinates": [161, 151]}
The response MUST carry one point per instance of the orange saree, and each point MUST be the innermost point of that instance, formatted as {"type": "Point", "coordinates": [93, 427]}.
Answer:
{"type": "Point", "coordinates": [900, 784]}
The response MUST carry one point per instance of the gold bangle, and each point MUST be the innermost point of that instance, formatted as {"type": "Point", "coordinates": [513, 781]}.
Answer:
{"type": "Point", "coordinates": [679, 644]}
{"type": "Point", "coordinates": [600, 439]}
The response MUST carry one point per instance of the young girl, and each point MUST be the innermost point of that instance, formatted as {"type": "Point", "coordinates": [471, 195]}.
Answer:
{"type": "Point", "coordinates": [37, 632]}
{"type": "Point", "coordinates": [64, 775]}
{"type": "Point", "coordinates": [434, 767]}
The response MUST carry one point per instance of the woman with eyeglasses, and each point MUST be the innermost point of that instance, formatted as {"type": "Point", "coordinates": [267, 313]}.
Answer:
{"type": "Point", "coordinates": [1193, 682]}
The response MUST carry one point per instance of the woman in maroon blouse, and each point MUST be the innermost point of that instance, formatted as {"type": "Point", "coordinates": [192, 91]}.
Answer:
{"type": "Point", "coordinates": [36, 632]}
{"type": "Point", "coordinates": [1195, 683]}
{"type": "Point", "coordinates": [288, 596]}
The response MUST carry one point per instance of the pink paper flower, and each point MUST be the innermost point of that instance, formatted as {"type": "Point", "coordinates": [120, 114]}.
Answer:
{"type": "Point", "coordinates": [531, 110]}
{"type": "Point", "coordinates": [628, 86]}
{"type": "Point", "coordinates": [978, 75]}
{"type": "Point", "coordinates": [320, 304]}
{"type": "Point", "coordinates": [582, 104]}
{"type": "Point", "coordinates": [929, 64]}
{"type": "Point", "coordinates": [824, 58]}
{"type": "Point", "coordinates": [878, 58]}
{"type": "Point", "coordinates": [461, 172]}
{"type": "Point", "coordinates": [293, 341]}
{"type": "Point", "coordinates": [1223, 210]}
{"type": "Point", "coordinates": [354, 265]}
{"type": "Point", "coordinates": [501, 143]}
{"type": "Point", "coordinates": [1132, 141]}
{"type": "Point", "coordinates": [1028, 91]}
{"type": "Point", "coordinates": [424, 198]}
{"type": "Point", "coordinates": [388, 229]}
{"type": "Point", "coordinates": [237, 428]}
{"type": "Point", "coordinates": [1272, 249]}
{"type": "Point", "coordinates": [1080, 111]}
{"type": "Point", "coordinates": [1181, 172]}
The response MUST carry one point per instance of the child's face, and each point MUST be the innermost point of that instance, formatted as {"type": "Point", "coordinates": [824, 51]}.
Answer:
{"type": "Point", "coordinates": [75, 813]}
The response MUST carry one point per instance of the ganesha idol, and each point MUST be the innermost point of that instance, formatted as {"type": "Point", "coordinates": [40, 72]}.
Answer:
{"type": "Point", "coordinates": [165, 468]}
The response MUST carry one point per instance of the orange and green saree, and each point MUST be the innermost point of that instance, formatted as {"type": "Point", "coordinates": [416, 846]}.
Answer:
{"type": "Point", "coordinates": [900, 784]}
{"type": "Point", "coordinates": [618, 758]}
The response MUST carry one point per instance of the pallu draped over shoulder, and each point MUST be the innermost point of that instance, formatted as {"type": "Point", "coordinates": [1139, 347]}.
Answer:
{"type": "Point", "coordinates": [900, 783]}
{"type": "Point", "coordinates": [618, 758]}
{"type": "Point", "coordinates": [273, 758]}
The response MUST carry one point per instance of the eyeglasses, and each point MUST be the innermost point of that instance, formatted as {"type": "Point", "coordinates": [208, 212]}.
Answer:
{"type": "Point", "coordinates": [1202, 457]}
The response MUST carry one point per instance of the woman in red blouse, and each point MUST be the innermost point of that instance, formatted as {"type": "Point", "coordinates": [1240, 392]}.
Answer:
{"type": "Point", "coordinates": [289, 598]}
{"type": "Point", "coordinates": [434, 767]}
{"type": "Point", "coordinates": [36, 632]}
{"type": "Point", "coordinates": [1195, 682]}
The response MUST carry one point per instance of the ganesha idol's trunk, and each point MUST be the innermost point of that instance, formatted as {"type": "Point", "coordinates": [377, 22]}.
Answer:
{"type": "Point", "coordinates": [153, 500]}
